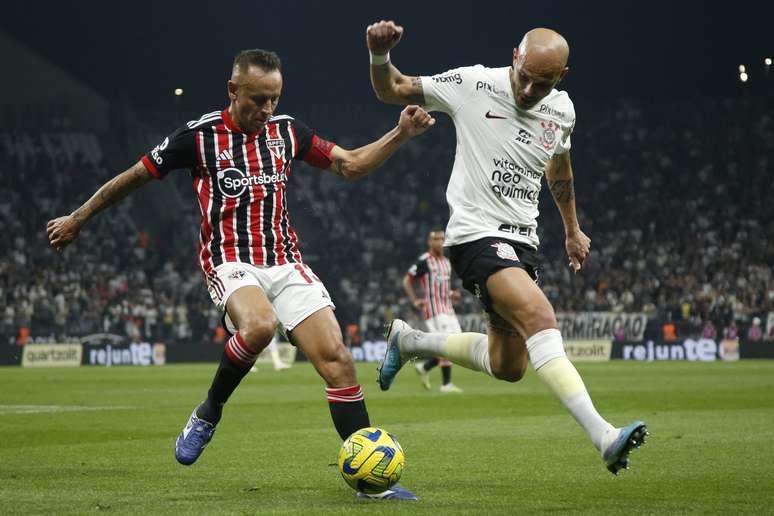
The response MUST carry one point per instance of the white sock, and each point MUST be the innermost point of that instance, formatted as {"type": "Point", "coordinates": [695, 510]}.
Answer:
{"type": "Point", "coordinates": [546, 352]}
{"type": "Point", "coordinates": [274, 352]}
{"type": "Point", "coordinates": [469, 350]}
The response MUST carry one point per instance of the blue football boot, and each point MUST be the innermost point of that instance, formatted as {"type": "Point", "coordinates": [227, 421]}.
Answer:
{"type": "Point", "coordinates": [393, 359]}
{"type": "Point", "coordinates": [616, 455]}
{"type": "Point", "coordinates": [396, 492]}
{"type": "Point", "coordinates": [192, 440]}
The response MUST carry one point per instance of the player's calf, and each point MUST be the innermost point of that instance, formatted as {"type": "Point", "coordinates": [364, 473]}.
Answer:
{"type": "Point", "coordinates": [319, 337]}
{"type": "Point", "coordinates": [509, 372]}
{"type": "Point", "coordinates": [345, 396]}
{"type": "Point", "coordinates": [508, 355]}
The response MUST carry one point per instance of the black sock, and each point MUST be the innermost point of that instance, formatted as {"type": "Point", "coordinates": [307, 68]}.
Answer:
{"type": "Point", "coordinates": [446, 374]}
{"type": "Point", "coordinates": [235, 363]}
{"type": "Point", "coordinates": [430, 363]}
{"type": "Point", "coordinates": [348, 409]}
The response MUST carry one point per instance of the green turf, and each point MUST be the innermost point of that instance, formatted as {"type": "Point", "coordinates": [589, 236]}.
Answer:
{"type": "Point", "coordinates": [105, 446]}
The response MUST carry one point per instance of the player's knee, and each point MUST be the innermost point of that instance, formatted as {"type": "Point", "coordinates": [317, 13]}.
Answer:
{"type": "Point", "coordinates": [510, 372]}
{"type": "Point", "coordinates": [539, 319]}
{"type": "Point", "coordinates": [258, 331]}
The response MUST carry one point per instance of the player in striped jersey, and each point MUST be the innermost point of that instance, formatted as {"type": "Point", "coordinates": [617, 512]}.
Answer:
{"type": "Point", "coordinates": [433, 271]}
{"type": "Point", "coordinates": [240, 159]}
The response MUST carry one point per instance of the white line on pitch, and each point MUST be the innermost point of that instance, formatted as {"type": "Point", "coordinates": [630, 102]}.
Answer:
{"type": "Point", "coordinates": [47, 409]}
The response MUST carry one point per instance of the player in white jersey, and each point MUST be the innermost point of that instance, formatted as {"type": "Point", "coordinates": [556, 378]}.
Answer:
{"type": "Point", "coordinates": [433, 270]}
{"type": "Point", "coordinates": [513, 127]}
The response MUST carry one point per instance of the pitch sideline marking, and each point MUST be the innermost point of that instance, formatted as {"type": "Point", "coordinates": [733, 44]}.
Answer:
{"type": "Point", "coordinates": [48, 409]}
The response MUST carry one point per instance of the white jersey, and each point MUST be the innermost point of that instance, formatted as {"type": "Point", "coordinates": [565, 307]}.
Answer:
{"type": "Point", "coordinates": [502, 152]}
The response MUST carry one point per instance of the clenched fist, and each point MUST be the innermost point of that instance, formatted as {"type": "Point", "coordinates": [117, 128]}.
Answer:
{"type": "Point", "coordinates": [414, 121]}
{"type": "Point", "coordinates": [383, 36]}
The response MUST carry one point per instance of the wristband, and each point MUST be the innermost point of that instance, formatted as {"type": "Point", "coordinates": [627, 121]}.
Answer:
{"type": "Point", "coordinates": [379, 59]}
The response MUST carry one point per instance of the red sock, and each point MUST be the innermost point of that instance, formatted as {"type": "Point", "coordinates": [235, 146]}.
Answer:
{"type": "Point", "coordinates": [348, 409]}
{"type": "Point", "coordinates": [238, 352]}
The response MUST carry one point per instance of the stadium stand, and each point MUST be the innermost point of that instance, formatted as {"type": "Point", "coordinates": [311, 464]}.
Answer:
{"type": "Point", "coordinates": [676, 246]}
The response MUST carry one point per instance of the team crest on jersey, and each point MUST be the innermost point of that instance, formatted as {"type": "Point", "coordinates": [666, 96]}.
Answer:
{"type": "Point", "coordinates": [276, 147]}
{"type": "Point", "coordinates": [506, 251]}
{"type": "Point", "coordinates": [548, 138]}
{"type": "Point", "coordinates": [237, 274]}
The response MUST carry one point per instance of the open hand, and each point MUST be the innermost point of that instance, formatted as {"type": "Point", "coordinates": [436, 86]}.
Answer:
{"type": "Point", "coordinates": [414, 121]}
{"type": "Point", "coordinates": [383, 36]}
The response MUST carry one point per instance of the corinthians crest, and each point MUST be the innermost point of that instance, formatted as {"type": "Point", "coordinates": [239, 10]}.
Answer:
{"type": "Point", "coordinates": [506, 251]}
{"type": "Point", "coordinates": [548, 137]}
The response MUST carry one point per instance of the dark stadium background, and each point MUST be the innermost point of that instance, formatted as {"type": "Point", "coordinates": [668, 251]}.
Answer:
{"type": "Point", "coordinates": [144, 49]}
{"type": "Point", "coordinates": [673, 157]}
{"type": "Point", "coordinates": [666, 68]}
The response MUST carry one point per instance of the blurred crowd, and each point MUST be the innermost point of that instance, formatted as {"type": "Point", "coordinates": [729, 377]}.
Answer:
{"type": "Point", "coordinates": [112, 280]}
{"type": "Point", "coordinates": [673, 196]}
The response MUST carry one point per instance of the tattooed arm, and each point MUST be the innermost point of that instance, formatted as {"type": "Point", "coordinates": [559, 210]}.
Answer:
{"type": "Point", "coordinates": [560, 181]}
{"type": "Point", "coordinates": [389, 84]}
{"type": "Point", "coordinates": [357, 163]}
{"type": "Point", "coordinates": [63, 230]}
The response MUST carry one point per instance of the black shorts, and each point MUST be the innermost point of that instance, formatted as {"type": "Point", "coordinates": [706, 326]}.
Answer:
{"type": "Point", "coordinates": [475, 261]}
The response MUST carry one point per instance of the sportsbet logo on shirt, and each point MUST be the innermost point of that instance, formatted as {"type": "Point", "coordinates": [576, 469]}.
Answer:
{"type": "Point", "coordinates": [233, 182]}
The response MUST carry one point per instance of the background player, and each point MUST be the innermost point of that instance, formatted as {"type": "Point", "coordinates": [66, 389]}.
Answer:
{"type": "Point", "coordinates": [512, 127]}
{"type": "Point", "coordinates": [273, 349]}
{"type": "Point", "coordinates": [433, 271]}
{"type": "Point", "coordinates": [240, 159]}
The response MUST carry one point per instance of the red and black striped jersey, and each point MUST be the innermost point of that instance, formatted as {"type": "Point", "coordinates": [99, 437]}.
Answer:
{"type": "Point", "coordinates": [240, 181]}
{"type": "Point", "coordinates": [434, 273]}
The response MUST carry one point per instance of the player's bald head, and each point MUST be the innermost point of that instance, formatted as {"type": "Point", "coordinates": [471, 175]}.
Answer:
{"type": "Point", "coordinates": [539, 63]}
{"type": "Point", "coordinates": [544, 51]}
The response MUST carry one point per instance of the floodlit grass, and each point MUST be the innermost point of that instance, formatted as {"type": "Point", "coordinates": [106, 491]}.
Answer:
{"type": "Point", "coordinates": [100, 440]}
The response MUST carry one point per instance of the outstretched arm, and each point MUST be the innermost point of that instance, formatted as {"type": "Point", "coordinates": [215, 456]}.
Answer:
{"type": "Point", "coordinates": [560, 181]}
{"type": "Point", "coordinates": [63, 230]}
{"type": "Point", "coordinates": [389, 84]}
{"type": "Point", "coordinates": [357, 163]}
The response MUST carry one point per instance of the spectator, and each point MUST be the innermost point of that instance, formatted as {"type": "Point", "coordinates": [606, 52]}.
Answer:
{"type": "Point", "coordinates": [755, 333]}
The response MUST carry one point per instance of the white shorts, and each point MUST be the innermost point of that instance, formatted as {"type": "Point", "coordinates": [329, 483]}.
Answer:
{"type": "Point", "coordinates": [443, 323]}
{"type": "Point", "coordinates": [293, 289]}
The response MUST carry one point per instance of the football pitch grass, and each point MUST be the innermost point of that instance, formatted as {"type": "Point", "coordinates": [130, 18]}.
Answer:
{"type": "Point", "coordinates": [100, 441]}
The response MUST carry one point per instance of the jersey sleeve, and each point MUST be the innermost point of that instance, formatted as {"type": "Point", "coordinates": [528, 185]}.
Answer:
{"type": "Point", "coordinates": [311, 148]}
{"type": "Point", "coordinates": [448, 91]}
{"type": "Point", "coordinates": [178, 150]}
{"type": "Point", "coordinates": [419, 268]}
{"type": "Point", "coordinates": [564, 144]}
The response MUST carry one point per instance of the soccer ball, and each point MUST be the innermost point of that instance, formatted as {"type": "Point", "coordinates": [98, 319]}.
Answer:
{"type": "Point", "coordinates": [371, 460]}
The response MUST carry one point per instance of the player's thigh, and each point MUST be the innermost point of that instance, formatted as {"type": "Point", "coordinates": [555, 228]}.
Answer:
{"type": "Point", "coordinates": [516, 298]}
{"type": "Point", "coordinates": [319, 338]}
{"type": "Point", "coordinates": [236, 289]}
{"type": "Point", "coordinates": [253, 316]}
{"type": "Point", "coordinates": [508, 355]}
{"type": "Point", "coordinates": [297, 293]}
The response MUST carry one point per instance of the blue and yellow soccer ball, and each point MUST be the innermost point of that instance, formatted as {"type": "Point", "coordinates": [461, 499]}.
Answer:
{"type": "Point", "coordinates": [371, 460]}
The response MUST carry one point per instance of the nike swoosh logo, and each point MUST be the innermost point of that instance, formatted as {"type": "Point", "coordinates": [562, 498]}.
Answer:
{"type": "Point", "coordinates": [187, 430]}
{"type": "Point", "coordinates": [490, 115]}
